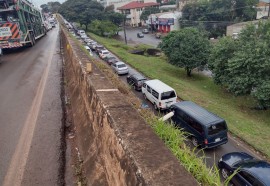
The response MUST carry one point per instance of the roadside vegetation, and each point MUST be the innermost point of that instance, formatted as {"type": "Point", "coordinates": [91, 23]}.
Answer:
{"type": "Point", "coordinates": [214, 16]}
{"type": "Point", "coordinates": [173, 138]}
{"type": "Point", "coordinates": [251, 125]}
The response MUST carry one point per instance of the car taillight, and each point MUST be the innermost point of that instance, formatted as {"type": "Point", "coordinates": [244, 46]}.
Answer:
{"type": "Point", "coordinates": [205, 141]}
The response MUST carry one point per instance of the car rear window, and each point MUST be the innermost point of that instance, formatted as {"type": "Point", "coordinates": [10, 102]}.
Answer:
{"type": "Point", "coordinates": [168, 95]}
{"type": "Point", "coordinates": [141, 81]}
{"type": "Point", "coordinates": [121, 66]}
{"type": "Point", "coordinates": [217, 128]}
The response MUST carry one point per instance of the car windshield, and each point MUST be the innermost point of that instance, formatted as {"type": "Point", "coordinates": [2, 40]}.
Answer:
{"type": "Point", "coordinates": [121, 66]}
{"type": "Point", "coordinates": [168, 95]}
{"type": "Point", "coordinates": [217, 128]}
{"type": "Point", "coordinates": [105, 52]}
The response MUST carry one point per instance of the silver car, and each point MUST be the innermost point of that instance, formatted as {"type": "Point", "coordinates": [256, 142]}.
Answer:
{"type": "Point", "coordinates": [120, 68]}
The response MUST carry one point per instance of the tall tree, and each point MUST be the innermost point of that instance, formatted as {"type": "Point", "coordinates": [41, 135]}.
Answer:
{"type": "Point", "coordinates": [148, 11]}
{"type": "Point", "coordinates": [187, 48]}
{"type": "Point", "coordinates": [245, 70]}
{"type": "Point", "coordinates": [216, 15]}
{"type": "Point", "coordinates": [82, 11]}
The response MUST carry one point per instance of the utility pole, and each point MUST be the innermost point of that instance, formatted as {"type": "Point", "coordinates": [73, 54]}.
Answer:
{"type": "Point", "coordinates": [124, 26]}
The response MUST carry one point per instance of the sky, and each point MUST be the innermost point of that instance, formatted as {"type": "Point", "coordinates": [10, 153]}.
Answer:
{"type": "Point", "coordinates": [40, 2]}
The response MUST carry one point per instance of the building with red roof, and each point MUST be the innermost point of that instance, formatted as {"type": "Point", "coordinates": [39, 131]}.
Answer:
{"type": "Point", "coordinates": [133, 11]}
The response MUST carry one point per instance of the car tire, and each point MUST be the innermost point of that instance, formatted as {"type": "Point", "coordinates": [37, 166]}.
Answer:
{"type": "Point", "coordinates": [194, 141]}
{"type": "Point", "coordinates": [156, 107]}
{"type": "Point", "coordinates": [224, 173]}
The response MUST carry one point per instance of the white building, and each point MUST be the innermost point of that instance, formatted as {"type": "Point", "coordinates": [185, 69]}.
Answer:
{"type": "Point", "coordinates": [134, 9]}
{"type": "Point", "coordinates": [262, 10]}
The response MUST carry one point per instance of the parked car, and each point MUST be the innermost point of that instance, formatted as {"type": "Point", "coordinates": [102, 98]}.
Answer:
{"type": "Point", "coordinates": [136, 81]}
{"type": "Point", "coordinates": [205, 128]}
{"type": "Point", "coordinates": [84, 36]}
{"type": "Point", "coordinates": [140, 35]}
{"type": "Point", "coordinates": [120, 68]}
{"type": "Point", "coordinates": [89, 50]}
{"type": "Point", "coordinates": [110, 59]}
{"type": "Point", "coordinates": [145, 31]}
{"type": "Point", "coordinates": [158, 35]}
{"type": "Point", "coordinates": [161, 95]}
{"type": "Point", "coordinates": [92, 45]}
{"type": "Point", "coordinates": [87, 40]}
{"type": "Point", "coordinates": [80, 32]}
{"type": "Point", "coordinates": [249, 171]}
{"type": "Point", "coordinates": [99, 48]}
{"type": "Point", "coordinates": [103, 53]}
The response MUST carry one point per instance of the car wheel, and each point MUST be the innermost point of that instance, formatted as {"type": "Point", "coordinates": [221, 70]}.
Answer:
{"type": "Point", "coordinates": [224, 173]}
{"type": "Point", "coordinates": [155, 106]}
{"type": "Point", "coordinates": [194, 141]}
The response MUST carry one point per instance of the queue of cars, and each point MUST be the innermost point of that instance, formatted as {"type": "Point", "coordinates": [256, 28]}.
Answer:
{"type": "Point", "coordinates": [205, 129]}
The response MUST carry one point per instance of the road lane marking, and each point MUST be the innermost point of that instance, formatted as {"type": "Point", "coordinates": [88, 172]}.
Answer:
{"type": "Point", "coordinates": [18, 162]}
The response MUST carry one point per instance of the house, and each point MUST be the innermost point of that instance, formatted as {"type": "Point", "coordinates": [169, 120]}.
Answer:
{"type": "Point", "coordinates": [262, 10]}
{"type": "Point", "coordinates": [164, 22]}
{"type": "Point", "coordinates": [235, 29]}
{"type": "Point", "coordinates": [133, 11]}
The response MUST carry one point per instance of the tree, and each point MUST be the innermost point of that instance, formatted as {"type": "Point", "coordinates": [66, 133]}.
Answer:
{"type": "Point", "coordinates": [115, 17]}
{"type": "Point", "coordinates": [219, 58]}
{"type": "Point", "coordinates": [52, 7]}
{"type": "Point", "coordinates": [82, 11]}
{"type": "Point", "coordinates": [186, 48]}
{"type": "Point", "coordinates": [104, 28]}
{"type": "Point", "coordinates": [148, 11]}
{"type": "Point", "coordinates": [216, 15]}
{"type": "Point", "coordinates": [246, 68]}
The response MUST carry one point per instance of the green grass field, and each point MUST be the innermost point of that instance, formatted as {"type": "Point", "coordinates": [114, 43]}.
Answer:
{"type": "Point", "coordinates": [250, 125]}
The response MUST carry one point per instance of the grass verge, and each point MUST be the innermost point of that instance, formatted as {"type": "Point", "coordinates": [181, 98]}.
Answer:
{"type": "Point", "coordinates": [172, 137]}
{"type": "Point", "coordinates": [252, 126]}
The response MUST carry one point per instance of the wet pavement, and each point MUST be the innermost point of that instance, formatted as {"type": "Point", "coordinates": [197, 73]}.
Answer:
{"type": "Point", "coordinates": [31, 114]}
{"type": "Point", "coordinates": [148, 39]}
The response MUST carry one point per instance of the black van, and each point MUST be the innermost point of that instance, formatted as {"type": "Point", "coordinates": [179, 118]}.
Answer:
{"type": "Point", "coordinates": [205, 128]}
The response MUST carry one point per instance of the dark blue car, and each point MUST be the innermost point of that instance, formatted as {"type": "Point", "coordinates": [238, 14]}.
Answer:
{"type": "Point", "coordinates": [250, 171]}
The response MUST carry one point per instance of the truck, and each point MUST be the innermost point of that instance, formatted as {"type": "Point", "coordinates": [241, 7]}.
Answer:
{"type": "Point", "coordinates": [21, 24]}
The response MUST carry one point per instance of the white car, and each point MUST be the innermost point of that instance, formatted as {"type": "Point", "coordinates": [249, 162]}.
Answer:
{"type": "Point", "coordinates": [84, 36]}
{"type": "Point", "coordinates": [89, 50]}
{"type": "Point", "coordinates": [81, 32]}
{"type": "Point", "coordinates": [120, 68]}
{"type": "Point", "coordinates": [103, 53]}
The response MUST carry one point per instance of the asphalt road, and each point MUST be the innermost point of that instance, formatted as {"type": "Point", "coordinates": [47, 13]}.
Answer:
{"type": "Point", "coordinates": [211, 156]}
{"type": "Point", "coordinates": [132, 38]}
{"type": "Point", "coordinates": [31, 113]}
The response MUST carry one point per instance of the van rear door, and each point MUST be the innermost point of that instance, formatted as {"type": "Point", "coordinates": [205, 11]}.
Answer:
{"type": "Point", "coordinates": [217, 134]}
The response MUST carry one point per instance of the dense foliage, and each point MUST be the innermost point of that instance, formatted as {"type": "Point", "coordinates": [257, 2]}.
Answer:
{"type": "Point", "coordinates": [148, 11]}
{"type": "Point", "coordinates": [52, 7]}
{"type": "Point", "coordinates": [82, 11]}
{"type": "Point", "coordinates": [187, 48]}
{"type": "Point", "coordinates": [87, 11]}
{"type": "Point", "coordinates": [243, 65]}
{"type": "Point", "coordinates": [215, 15]}
{"type": "Point", "coordinates": [104, 28]}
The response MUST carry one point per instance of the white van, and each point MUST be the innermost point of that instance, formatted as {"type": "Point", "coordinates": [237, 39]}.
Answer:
{"type": "Point", "coordinates": [160, 94]}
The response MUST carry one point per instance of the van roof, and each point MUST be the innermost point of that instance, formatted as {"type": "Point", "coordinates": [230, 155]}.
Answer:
{"type": "Point", "coordinates": [159, 86]}
{"type": "Point", "coordinates": [198, 113]}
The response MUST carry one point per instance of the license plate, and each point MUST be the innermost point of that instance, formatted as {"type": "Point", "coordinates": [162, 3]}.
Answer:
{"type": "Point", "coordinates": [218, 139]}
